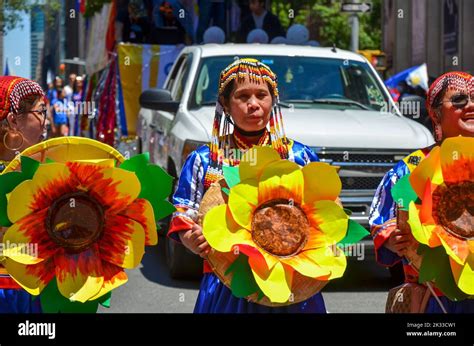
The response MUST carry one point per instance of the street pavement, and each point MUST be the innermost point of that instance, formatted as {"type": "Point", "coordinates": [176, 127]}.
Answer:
{"type": "Point", "coordinates": [363, 289]}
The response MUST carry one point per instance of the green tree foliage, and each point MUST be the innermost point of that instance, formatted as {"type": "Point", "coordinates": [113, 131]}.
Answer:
{"type": "Point", "coordinates": [11, 11]}
{"type": "Point", "coordinates": [328, 24]}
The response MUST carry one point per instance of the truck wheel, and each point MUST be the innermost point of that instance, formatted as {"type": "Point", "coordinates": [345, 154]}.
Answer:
{"type": "Point", "coordinates": [182, 263]}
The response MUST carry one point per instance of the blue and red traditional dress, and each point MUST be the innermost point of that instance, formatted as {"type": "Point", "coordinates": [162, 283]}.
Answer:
{"type": "Point", "coordinates": [214, 296]}
{"type": "Point", "coordinates": [383, 221]}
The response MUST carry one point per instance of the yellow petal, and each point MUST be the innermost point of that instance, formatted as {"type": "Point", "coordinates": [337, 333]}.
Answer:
{"type": "Point", "coordinates": [243, 200]}
{"type": "Point", "coordinates": [470, 243]}
{"type": "Point", "coordinates": [281, 179]}
{"type": "Point", "coordinates": [305, 264]}
{"type": "Point", "coordinates": [22, 197]}
{"type": "Point", "coordinates": [457, 159]}
{"type": "Point", "coordinates": [454, 252]}
{"type": "Point", "coordinates": [330, 219]}
{"type": "Point", "coordinates": [125, 182]}
{"type": "Point", "coordinates": [316, 239]}
{"type": "Point", "coordinates": [455, 147]}
{"type": "Point", "coordinates": [30, 282]}
{"type": "Point", "coordinates": [113, 282]}
{"type": "Point", "coordinates": [464, 274]}
{"type": "Point", "coordinates": [329, 258]}
{"type": "Point", "coordinates": [428, 169]}
{"type": "Point", "coordinates": [422, 234]}
{"type": "Point", "coordinates": [78, 275]}
{"type": "Point", "coordinates": [19, 247]}
{"type": "Point", "coordinates": [321, 181]}
{"type": "Point", "coordinates": [221, 232]}
{"type": "Point", "coordinates": [134, 248]}
{"type": "Point", "coordinates": [79, 291]}
{"type": "Point", "coordinates": [276, 286]}
{"type": "Point", "coordinates": [20, 200]}
{"type": "Point", "coordinates": [254, 161]}
{"type": "Point", "coordinates": [150, 227]}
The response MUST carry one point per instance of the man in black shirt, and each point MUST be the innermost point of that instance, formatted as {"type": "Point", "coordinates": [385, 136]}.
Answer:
{"type": "Point", "coordinates": [260, 18]}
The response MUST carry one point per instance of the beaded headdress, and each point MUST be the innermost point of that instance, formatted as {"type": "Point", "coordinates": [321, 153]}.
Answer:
{"type": "Point", "coordinates": [457, 80]}
{"type": "Point", "coordinates": [256, 72]}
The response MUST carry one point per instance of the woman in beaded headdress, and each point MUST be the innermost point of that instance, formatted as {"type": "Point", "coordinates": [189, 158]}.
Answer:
{"type": "Point", "coordinates": [247, 114]}
{"type": "Point", "coordinates": [22, 124]}
{"type": "Point", "coordinates": [450, 103]}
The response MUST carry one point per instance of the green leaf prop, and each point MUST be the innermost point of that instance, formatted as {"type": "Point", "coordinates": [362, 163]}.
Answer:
{"type": "Point", "coordinates": [435, 267]}
{"type": "Point", "coordinates": [403, 193]}
{"type": "Point", "coordinates": [231, 175]}
{"type": "Point", "coordinates": [243, 282]}
{"type": "Point", "coordinates": [156, 184]}
{"type": "Point", "coordinates": [355, 233]}
{"type": "Point", "coordinates": [52, 301]}
{"type": "Point", "coordinates": [9, 181]}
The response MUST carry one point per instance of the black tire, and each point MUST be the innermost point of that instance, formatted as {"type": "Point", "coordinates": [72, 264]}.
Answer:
{"type": "Point", "coordinates": [182, 264]}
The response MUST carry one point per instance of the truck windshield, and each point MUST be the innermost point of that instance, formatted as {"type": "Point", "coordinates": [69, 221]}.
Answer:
{"type": "Point", "coordinates": [303, 82]}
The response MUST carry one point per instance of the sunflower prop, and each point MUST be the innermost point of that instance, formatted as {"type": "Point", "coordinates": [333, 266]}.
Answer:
{"type": "Point", "coordinates": [439, 198]}
{"type": "Point", "coordinates": [276, 230]}
{"type": "Point", "coordinates": [78, 214]}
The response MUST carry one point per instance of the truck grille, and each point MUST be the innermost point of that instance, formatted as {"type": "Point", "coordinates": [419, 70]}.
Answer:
{"type": "Point", "coordinates": [360, 183]}
{"type": "Point", "coordinates": [361, 169]}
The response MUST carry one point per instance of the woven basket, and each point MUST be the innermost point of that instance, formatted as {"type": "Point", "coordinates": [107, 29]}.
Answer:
{"type": "Point", "coordinates": [302, 287]}
{"type": "Point", "coordinates": [411, 254]}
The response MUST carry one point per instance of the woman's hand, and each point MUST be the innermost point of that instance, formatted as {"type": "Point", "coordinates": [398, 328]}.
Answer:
{"type": "Point", "coordinates": [194, 240]}
{"type": "Point", "coordinates": [400, 241]}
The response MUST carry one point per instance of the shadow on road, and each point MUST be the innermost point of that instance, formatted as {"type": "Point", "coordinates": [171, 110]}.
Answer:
{"type": "Point", "coordinates": [155, 268]}
{"type": "Point", "coordinates": [360, 276]}
{"type": "Point", "coordinates": [363, 276]}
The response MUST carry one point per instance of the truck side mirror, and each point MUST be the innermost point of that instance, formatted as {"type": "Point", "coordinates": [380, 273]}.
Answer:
{"type": "Point", "coordinates": [158, 99]}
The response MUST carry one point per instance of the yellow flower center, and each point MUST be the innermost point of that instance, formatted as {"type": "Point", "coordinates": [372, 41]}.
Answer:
{"type": "Point", "coordinates": [75, 221]}
{"type": "Point", "coordinates": [454, 209]}
{"type": "Point", "coordinates": [280, 228]}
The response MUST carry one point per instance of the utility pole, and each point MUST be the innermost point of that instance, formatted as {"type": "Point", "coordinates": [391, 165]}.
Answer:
{"type": "Point", "coordinates": [354, 20]}
{"type": "Point", "coordinates": [354, 7]}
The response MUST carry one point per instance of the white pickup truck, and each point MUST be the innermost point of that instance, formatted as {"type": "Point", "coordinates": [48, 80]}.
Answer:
{"type": "Point", "coordinates": [332, 100]}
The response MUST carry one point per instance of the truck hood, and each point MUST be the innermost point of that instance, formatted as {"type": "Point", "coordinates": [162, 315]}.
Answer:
{"type": "Point", "coordinates": [343, 128]}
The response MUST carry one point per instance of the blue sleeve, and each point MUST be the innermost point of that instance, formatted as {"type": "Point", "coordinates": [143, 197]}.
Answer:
{"type": "Point", "coordinates": [382, 217]}
{"type": "Point", "coordinates": [189, 192]}
{"type": "Point", "coordinates": [301, 154]}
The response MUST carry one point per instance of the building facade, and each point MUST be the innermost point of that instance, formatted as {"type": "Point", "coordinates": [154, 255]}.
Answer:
{"type": "Point", "coordinates": [438, 32]}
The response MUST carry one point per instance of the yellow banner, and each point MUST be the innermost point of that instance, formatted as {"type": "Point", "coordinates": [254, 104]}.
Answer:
{"type": "Point", "coordinates": [141, 67]}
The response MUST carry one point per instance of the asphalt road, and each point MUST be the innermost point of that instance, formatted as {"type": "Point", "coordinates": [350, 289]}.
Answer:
{"type": "Point", "coordinates": [363, 289]}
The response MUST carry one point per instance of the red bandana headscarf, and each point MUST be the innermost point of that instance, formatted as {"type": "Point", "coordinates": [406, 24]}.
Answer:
{"type": "Point", "coordinates": [13, 90]}
{"type": "Point", "coordinates": [457, 80]}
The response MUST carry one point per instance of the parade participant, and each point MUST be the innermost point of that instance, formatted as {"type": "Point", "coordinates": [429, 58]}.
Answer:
{"type": "Point", "coordinates": [60, 114]}
{"type": "Point", "coordinates": [247, 99]}
{"type": "Point", "coordinates": [450, 105]}
{"type": "Point", "coordinates": [22, 124]}
{"type": "Point", "coordinates": [260, 18]}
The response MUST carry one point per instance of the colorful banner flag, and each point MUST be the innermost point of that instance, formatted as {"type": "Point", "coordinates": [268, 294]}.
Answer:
{"type": "Point", "coordinates": [142, 67]}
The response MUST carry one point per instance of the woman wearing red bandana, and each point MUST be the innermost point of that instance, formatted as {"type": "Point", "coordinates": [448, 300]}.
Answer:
{"type": "Point", "coordinates": [450, 104]}
{"type": "Point", "coordinates": [22, 124]}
